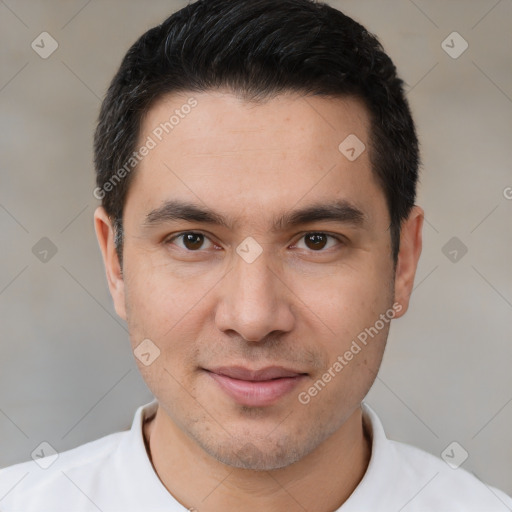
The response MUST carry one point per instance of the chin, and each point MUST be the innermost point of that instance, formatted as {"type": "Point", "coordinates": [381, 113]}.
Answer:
{"type": "Point", "coordinates": [249, 456]}
{"type": "Point", "coordinates": [264, 454]}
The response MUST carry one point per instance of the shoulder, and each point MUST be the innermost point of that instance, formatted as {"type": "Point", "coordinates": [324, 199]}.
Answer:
{"type": "Point", "coordinates": [444, 485]}
{"type": "Point", "coordinates": [407, 478]}
{"type": "Point", "coordinates": [51, 477]}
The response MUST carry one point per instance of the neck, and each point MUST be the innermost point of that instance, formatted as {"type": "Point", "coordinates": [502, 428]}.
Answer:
{"type": "Point", "coordinates": [321, 481]}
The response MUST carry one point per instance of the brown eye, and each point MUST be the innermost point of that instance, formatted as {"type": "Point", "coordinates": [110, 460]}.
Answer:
{"type": "Point", "coordinates": [317, 241]}
{"type": "Point", "coordinates": [191, 241]}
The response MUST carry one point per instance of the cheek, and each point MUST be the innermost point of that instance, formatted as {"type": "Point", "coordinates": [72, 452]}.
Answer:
{"type": "Point", "coordinates": [352, 305]}
{"type": "Point", "coordinates": [158, 297]}
{"type": "Point", "coordinates": [161, 309]}
{"type": "Point", "coordinates": [353, 365]}
{"type": "Point", "coordinates": [170, 311]}
{"type": "Point", "coordinates": [352, 298]}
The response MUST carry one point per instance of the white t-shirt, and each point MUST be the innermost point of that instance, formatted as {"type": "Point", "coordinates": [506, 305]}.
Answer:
{"type": "Point", "coordinates": [114, 474]}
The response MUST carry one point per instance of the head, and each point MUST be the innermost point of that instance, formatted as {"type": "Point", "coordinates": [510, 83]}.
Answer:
{"type": "Point", "coordinates": [220, 125]}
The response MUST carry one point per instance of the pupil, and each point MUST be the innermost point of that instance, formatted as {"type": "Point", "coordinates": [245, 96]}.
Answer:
{"type": "Point", "coordinates": [189, 240]}
{"type": "Point", "coordinates": [317, 240]}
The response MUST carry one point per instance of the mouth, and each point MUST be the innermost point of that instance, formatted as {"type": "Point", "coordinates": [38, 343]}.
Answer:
{"type": "Point", "coordinates": [256, 388]}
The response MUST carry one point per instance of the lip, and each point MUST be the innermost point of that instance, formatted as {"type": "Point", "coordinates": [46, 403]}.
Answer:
{"type": "Point", "coordinates": [256, 388]}
{"type": "Point", "coordinates": [267, 373]}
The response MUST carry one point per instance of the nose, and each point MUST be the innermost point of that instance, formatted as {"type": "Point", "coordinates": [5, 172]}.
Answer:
{"type": "Point", "coordinates": [255, 300]}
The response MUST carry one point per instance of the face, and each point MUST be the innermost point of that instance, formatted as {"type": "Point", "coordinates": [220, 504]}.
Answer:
{"type": "Point", "coordinates": [254, 306]}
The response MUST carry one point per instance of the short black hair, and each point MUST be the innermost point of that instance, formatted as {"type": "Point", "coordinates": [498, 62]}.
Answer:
{"type": "Point", "coordinates": [258, 49]}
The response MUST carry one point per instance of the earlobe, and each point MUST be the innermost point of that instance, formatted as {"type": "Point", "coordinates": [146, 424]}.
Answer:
{"type": "Point", "coordinates": [408, 256]}
{"type": "Point", "coordinates": [105, 235]}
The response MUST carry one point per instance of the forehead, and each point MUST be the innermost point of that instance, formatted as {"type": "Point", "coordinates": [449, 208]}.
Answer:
{"type": "Point", "coordinates": [215, 114]}
{"type": "Point", "coordinates": [228, 153]}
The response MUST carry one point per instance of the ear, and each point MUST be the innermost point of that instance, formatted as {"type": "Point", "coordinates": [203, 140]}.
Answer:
{"type": "Point", "coordinates": [408, 256]}
{"type": "Point", "coordinates": [105, 235]}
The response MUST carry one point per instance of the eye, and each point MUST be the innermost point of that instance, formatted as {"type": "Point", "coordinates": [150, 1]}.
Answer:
{"type": "Point", "coordinates": [317, 241]}
{"type": "Point", "coordinates": [191, 240]}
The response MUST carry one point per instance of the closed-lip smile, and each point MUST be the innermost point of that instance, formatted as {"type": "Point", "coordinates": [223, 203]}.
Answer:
{"type": "Point", "coordinates": [256, 388]}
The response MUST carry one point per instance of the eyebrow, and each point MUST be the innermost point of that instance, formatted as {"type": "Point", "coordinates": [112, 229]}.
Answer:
{"type": "Point", "coordinates": [340, 211]}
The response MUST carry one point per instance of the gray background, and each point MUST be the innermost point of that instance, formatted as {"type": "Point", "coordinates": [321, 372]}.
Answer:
{"type": "Point", "coordinates": [67, 375]}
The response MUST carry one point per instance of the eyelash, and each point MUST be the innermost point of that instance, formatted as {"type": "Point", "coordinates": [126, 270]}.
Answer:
{"type": "Point", "coordinates": [179, 235]}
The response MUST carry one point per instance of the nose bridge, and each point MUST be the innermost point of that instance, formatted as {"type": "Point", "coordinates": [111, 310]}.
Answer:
{"type": "Point", "coordinates": [254, 300]}
{"type": "Point", "coordinates": [254, 280]}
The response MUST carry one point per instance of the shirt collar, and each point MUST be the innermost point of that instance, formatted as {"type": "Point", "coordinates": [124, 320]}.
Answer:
{"type": "Point", "coordinates": [144, 489]}
{"type": "Point", "coordinates": [378, 485]}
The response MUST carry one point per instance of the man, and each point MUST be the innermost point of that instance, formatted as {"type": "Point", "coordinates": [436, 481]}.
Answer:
{"type": "Point", "coordinates": [257, 165]}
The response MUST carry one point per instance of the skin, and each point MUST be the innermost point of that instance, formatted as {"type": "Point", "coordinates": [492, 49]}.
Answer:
{"type": "Point", "coordinates": [296, 305]}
